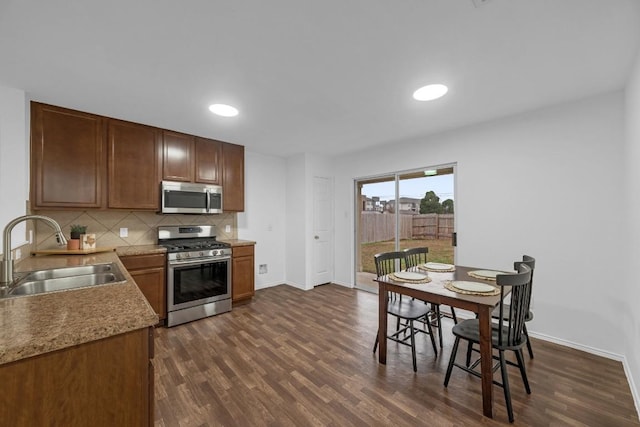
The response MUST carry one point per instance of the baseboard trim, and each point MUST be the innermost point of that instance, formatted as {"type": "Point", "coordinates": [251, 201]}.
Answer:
{"type": "Point", "coordinates": [598, 352]}
{"type": "Point", "coordinates": [581, 347]}
{"type": "Point", "coordinates": [632, 385]}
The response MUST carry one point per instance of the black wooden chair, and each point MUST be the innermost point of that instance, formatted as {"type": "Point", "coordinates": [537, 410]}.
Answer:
{"type": "Point", "coordinates": [413, 258]}
{"type": "Point", "coordinates": [531, 262]}
{"type": "Point", "coordinates": [507, 334]}
{"type": "Point", "coordinates": [404, 309]}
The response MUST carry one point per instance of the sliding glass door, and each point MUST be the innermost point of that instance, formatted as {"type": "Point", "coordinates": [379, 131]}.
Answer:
{"type": "Point", "coordinates": [403, 210]}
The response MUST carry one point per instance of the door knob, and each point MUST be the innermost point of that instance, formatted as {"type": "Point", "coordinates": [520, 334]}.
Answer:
{"type": "Point", "coordinates": [316, 237]}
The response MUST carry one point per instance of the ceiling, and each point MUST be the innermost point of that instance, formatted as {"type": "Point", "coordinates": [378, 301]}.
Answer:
{"type": "Point", "coordinates": [325, 77]}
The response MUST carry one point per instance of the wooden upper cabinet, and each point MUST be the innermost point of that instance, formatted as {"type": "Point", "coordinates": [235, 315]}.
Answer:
{"type": "Point", "coordinates": [135, 156]}
{"type": "Point", "coordinates": [177, 156]}
{"type": "Point", "coordinates": [233, 177]}
{"type": "Point", "coordinates": [67, 157]}
{"type": "Point", "coordinates": [208, 154]}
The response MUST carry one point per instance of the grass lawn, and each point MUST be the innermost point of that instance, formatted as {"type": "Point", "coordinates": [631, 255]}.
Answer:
{"type": "Point", "coordinates": [439, 251]}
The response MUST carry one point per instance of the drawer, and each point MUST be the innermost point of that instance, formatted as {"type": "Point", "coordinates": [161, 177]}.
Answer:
{"type": "Point", "coordinates": [137, 262]}
{"type": "Point", "coordinates": [242, 251]}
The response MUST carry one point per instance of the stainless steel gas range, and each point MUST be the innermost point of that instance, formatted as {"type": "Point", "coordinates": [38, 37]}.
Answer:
{"type": "Point", "coordinates": [198, 272]}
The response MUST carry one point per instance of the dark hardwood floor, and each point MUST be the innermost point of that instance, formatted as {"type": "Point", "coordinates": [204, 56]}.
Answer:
{"type": "Point", "coordinates": [296, 358]}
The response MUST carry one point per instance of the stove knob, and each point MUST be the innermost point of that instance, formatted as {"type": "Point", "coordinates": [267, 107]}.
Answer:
{"type": "Point", "coordinates": [187, 255]}
{"type": "Point", "coordinates": [178, 256]}
{"type": "Point", "coordinates": [201, 253]}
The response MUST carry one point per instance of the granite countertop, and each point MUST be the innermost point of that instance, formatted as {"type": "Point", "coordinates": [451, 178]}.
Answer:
{"type": "Point", "coordinates": [140, 250]}
{"type": "Point", "coordinates": [238, 242]}
{"type": "Point", "coordinates": [38, 324]}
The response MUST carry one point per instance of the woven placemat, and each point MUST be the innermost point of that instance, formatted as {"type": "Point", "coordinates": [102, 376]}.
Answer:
{"type": "Point", "coordinates": [449, 285]}
{"type": "Point", "coordinates": [477, 276]}
{"type": "Point", "coordinates": [425, 267]}
{"type": "Point", "coordinates": [395, 278]}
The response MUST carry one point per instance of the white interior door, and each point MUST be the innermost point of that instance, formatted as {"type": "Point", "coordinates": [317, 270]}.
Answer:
{"type": "Point", "coordinates": [322, 231]}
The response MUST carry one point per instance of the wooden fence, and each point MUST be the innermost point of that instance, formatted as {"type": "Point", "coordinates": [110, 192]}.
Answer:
{"type": "Point", "coordinates": [380, 227]}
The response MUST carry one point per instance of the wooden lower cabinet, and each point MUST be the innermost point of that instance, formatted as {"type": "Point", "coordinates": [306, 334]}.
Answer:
{"type": "Point", "coordinates": [242, 273]}
{"type": "Point", "coordinates": [149, 273]}
{"type": "Point", "coordinates": [99, 383]}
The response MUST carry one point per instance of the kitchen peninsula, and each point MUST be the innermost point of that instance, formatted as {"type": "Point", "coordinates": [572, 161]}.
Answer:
{"type": "Point", "coordinates": [79, 356]}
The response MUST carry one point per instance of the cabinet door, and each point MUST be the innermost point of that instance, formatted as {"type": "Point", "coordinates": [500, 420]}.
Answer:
{"type": "Point", "coordinates": [68, 166]}
{"type": "Point", "coordinates": [233, 177]}
{"type": "Point", "coordinates": [242, 271]}
{"type": "Point", "coordinates": [99, 383]}
{"type": "Point", "coordinates": [177, 156]}
{"type": "Point", "coordinates": [207, 160]}
{"type": "Point", "coordinates": [134, 172]}
{"type": "Point", "coordinates": [150, 275]}
{"type": "Point", "coordinates": [152, 284]}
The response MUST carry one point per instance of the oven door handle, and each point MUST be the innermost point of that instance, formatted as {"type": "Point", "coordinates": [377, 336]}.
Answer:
{"type": "Point", "coordinates": [198, 261]}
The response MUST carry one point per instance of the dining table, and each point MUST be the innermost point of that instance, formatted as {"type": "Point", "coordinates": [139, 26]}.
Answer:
{"type": "Point", "coordinates": [436, 292]}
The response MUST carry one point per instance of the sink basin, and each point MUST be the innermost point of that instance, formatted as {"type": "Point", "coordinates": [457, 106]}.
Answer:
{"type": "Point", "coordinates": [59, 279]}
{"type": "Point", "coordinates": [70, 271]}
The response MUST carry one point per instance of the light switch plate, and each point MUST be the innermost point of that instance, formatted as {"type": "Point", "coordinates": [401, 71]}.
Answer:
{"type": "Point", "coordinates": [124, 232]}
{"type": "Point", "coordinates": [227, 229]}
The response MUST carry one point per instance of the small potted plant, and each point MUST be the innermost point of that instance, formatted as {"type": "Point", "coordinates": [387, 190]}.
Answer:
{"type": "Point", "coordinates": [77, 230]}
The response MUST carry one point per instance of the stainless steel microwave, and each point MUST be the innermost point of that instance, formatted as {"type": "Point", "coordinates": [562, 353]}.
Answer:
{"type": "Point", "coordinates": [191, 198]}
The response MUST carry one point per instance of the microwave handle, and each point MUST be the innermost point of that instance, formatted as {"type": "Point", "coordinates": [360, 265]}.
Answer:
{"type": "Point", "coordinates": [208, 201]}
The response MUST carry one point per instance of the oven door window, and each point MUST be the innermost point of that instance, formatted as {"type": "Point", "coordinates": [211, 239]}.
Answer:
{"type": "Point", "coordinates": [200, 281]}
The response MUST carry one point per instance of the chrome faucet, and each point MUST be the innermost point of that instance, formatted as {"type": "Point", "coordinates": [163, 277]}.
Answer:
{"type": "Point", "coordinates": [6, 267]}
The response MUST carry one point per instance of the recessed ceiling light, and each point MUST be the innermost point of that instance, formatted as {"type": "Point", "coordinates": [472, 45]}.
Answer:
{"type": "Point", "coordinates": [223, 110]}
{"type": "Point", "coordinates": [430, 92]}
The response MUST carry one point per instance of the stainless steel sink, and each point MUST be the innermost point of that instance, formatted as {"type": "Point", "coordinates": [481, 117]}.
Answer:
{"type": "Point", "coordinates": [58, 279]}
{"type": "Point", "coordinates": [70, 272]}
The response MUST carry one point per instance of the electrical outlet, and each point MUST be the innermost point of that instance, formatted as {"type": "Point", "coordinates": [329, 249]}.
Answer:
{"type": "Point", "coordinates": [18, 254]}
{"type": "Point", "coordinates": [262, 269]}
{"type": "Point", "coordinates": [227, 229]}
{"type": "Point", "coordinates": [124, 232]}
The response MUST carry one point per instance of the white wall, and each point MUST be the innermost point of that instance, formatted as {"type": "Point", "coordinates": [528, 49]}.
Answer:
{"type": "Point", "coordinates": [296, 254]}
{"type": "Point", "coordinates": [629, 312]}
{"type": "Point", "coordinates": [264, 218]}
{"type": "Point", "coordinates": [14, 190]}
{"type": "Point", "coordinates": [545, 183]}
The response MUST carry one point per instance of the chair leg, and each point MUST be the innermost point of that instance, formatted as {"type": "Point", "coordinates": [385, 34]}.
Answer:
{"type": "Point", "coordinates": [505, 386]}
{"type": "Point", "coordinates": [523, 371]}
{"type": "Point", "coordinates": [375, 346]}
{"type": "Point", "coordinates": [439, 324]}
{"type": "Point", "coordinates": [413, 345]}
{"type": "Point", "coordinates": [526, 333]}
{"type": "Point", "coordinates": [452, 359]}
{"type": "Point", "coordinates": [469, 349]}
{"type": "Point", "coordinates": [433, 340]}
{"type": "Point", "coordinates": [453, 314]}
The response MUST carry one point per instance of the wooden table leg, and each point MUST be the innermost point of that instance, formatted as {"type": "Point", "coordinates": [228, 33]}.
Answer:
{"type": "Point", "coordinates": [484, 318]}
{"type": "Point", "coordinates": [382, 324]}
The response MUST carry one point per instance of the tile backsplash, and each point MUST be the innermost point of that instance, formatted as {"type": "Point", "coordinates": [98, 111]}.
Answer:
{"type": "Point", "coordinates": [142, 226]}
